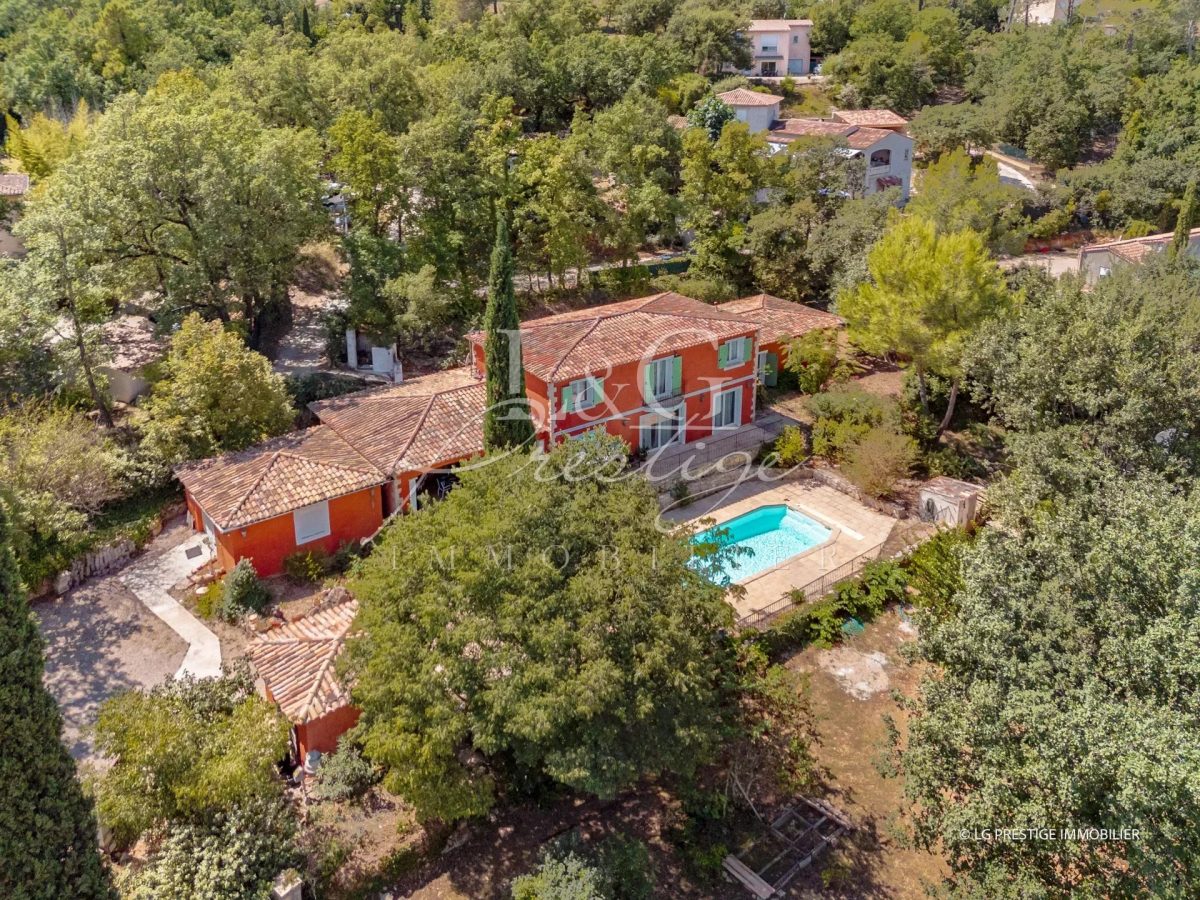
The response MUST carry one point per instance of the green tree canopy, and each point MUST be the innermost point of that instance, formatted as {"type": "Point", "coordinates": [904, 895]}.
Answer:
{"type": "Point", "coordinates": [958, 193]}
{"type": "Point", "coordinates": [215, 395]}
{"type": "Point", "coordinates": [507, 419]}
{"type": "Point", "coordinates": [927, 295]}
{"type": "Point", "coordinates": [48, 837]}
{"type": "Point", "coordinates": [1064, 695]}
{"type": "Point", "coordinates": [186, 751]}
{"type": "Point", "coordinates": [536, 624]}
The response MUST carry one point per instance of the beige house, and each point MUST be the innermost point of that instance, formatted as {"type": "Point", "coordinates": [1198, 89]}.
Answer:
{"type": "Point", "coordinates": [1098, 260]}
{"type": "Point", "coordinates": [779, 47]}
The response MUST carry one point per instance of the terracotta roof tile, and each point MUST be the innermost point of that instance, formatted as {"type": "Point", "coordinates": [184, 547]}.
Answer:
{"type": "Point", "coordinates": [414, 425]}
{"type": "Point", "coordinates": [1136, 250]}
{"type": "Point", "coordinates": [590, 340]}
{"type": "Point", "coordinates": [781, 319]}
{"type": "Point", "coordinates": [792, 128]}
{"type": "Point", "coordinates": [746, 97]}
{"type": "Point", "coordinates": [276, 477]}
{"type": "Point", "coordinates": [870, 118]}
{"type": "Point", "coordinates": [296, 661]}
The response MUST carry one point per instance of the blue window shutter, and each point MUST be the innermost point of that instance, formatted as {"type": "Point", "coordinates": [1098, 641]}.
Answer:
{"type": "Point", "coordinates": [568, 397]}
{"type": "Point", "coordinates": [677, 380]}
{"type": "Point", "coordinates": [723, 355]}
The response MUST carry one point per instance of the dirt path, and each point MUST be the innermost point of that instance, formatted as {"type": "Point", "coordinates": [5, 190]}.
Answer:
{"type": "Point", "coordinates": [851, 690]}
{"type": "Point", "coordinates": [301, 351]}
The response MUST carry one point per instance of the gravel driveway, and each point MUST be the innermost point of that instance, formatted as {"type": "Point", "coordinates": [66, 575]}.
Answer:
{"type": "Point", "coordinates": [100, 640]}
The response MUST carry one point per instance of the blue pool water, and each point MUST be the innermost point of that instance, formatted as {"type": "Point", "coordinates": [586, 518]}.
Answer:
{"type": "Point", "coordinates": [773, 533]}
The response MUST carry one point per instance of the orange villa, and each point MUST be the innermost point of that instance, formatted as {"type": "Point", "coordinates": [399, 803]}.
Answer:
{"type": "Point", "coordinates": [656, 371]}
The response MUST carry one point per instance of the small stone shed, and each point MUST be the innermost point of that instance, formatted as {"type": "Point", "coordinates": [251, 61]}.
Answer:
{"type": "Point", "coordinates": [948, 501]}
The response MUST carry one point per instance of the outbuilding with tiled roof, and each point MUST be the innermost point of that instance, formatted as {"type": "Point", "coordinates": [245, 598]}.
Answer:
{"type": "Point", "coordinates": [308, 490]}
{"type": "Point", "coordinates": [296, 664]}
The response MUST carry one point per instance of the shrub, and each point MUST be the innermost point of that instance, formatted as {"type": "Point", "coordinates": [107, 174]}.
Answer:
{"type": "Point", "coordinates": [844, 417]}
{"type": "Point", "coordinates": [934, 569]}
{"type": "Point", "coordinates": [681, 493]}
{"type": "Point", "coordinates": [879, 460]}
{"type": "Point", "coordinates": [344, 775]}
{"type": "Point", "coordinates": [791, 447]}
{"type": "Point", "coordinates": [953, 463]}
{"type": "Point", "coordinates": [813, 359]}
{"type": "Point", "coordinates": [345, 555]}
{"type": "Point", "coordinates": [306, 565]}
{"type": "Point", "coordinates": [242, 592]}
{"type": "Point", "coordinates": [234, 855]}
{"type": "Point", "coordinates": [618, 868]}
{"type": "Point", "coordinates": [710, 289]}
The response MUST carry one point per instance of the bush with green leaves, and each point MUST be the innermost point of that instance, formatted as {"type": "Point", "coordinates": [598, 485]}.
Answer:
{"type": "Point", "coordinates": [306, 565]}
{"type": "Point", "coordinates": [844, 416]}
{"type": "Point", "coordinates": [813, 359]}
{"type": "Point", "coordinates": [344, 775]}
{"type": "Point", "coordinates": [878, 460]}
{"type": "Point", "coordinates": [791, 447]}
{"type": "Point", "coordinates": [235, 854]}
{"type": "Point", "coordinates": [935, 569]}
{"type": "Point", "coordinates": [242, 591]}
{"type": "Point", "coordinates": [616, 868]}
{"type": "Point", "coordinates": [186, 751]}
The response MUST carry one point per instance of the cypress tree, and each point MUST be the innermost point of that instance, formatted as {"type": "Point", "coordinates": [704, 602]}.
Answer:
{"type": "Point", "coordinates": [1188, 210]}
{"type": "Point", "coordinates": [506, 422]}
{"type": "Point", "coordinates": [48, 841]}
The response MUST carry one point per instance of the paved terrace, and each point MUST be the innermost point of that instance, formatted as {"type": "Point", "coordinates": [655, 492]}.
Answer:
{"type": "Point", "coordinates": [856, 530]}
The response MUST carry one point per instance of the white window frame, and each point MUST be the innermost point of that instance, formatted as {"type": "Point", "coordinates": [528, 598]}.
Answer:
{"type": "Point", "coordinates": [584, 394]}
{"type": "Point", "coordinates": [1105, 271]}
{"type": "Point", "coordinates": [318, 527]}
{"type": "Point", "coordinates": [719, 409]}
{"type": "Point", "coordinates": [741, 344]}
{"type": "Point", "coordinates": [656, 427]}
{"type": "Point", "coordinates": [664, 374]}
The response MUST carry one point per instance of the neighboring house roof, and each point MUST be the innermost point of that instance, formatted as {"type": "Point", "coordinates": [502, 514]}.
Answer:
{"type": "Point", "coordinates": [745, 97]}
{"type": "Point", "coordinates": [13, 184]}
{"type": "Point", "coordinates": [1136, 250]}
{"type": "Point", "coordinates": [133, 342]}
{"type": "Point", "coordinates": [679, 122]}
{"type": "Point", "coordinates": [296, 662]}
{"type": "Point", "coordinates": [413, 425]}
{"type": "Point", "coordinates": [784, 131]}
{"type": "Point", "coordinates": [870, 118]}
{"type": "Point", "coordinates": [585, 341]}
{"type": "Point", "coordinates": [777, 24]}
{"type": "Point", "coordinates": [277, 477]}
{"type": "Point", "coordinates": [780, 319]}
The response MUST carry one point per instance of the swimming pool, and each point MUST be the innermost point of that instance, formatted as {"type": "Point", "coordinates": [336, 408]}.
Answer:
{"type": "Point", "coordinates": [773, 533]}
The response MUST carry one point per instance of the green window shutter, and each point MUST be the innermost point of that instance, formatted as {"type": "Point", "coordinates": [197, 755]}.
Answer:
{"type": "Point", "coordinates": [747, 348]}
{"type": "Point", "coordinates": [677, 377]}
{"type": "Point", "coordinates": [771, 370]}
{"type": "Point", "coordinates": [723, 355]}
{"type": "Point", "coordinates": [568, 397]}
{"type": "Point", "coordinates": [598, 390]}
{"type": "Point", "coordinates": [648, 386]}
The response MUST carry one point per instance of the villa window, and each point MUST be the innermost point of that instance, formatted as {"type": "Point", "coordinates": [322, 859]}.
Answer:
{"type": "Point", "coordinates": [727, 409]}
{"type": "Point", "coordinates": [881, 158]}
{"type": "Point", "coordinates": [583, 393]}
{"type": "Point", "coordinates": [659, 431]}
{"type": "Point", "coordinates": [311, 522]}
{"type": "Point", "coordinates": [733, 353]}
{"type": "Point", "coordinates": [664, 377]}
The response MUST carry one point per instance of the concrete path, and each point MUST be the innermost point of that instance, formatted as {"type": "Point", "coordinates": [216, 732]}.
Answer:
{"type": "Point", "coordinates": [150, 577]}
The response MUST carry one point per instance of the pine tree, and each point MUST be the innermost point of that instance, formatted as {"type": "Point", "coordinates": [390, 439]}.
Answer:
{"type": "Point", "coordinates": [506, 422]}
{"type": "Point", "coordinates": [48, 840]}
{"type": "Point", "coordinates": [1189, 211]}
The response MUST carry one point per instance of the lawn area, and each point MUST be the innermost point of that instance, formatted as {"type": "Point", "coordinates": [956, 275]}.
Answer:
{"type": "Point", "coordinates": [807, 101]}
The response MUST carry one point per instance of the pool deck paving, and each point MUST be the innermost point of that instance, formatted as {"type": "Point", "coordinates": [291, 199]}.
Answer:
{"type": "Point", "coordinates": [856, 530]}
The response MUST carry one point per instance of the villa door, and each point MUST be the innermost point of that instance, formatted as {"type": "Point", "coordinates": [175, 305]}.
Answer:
{"type": "Point", "coordinates": [769, 70]}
